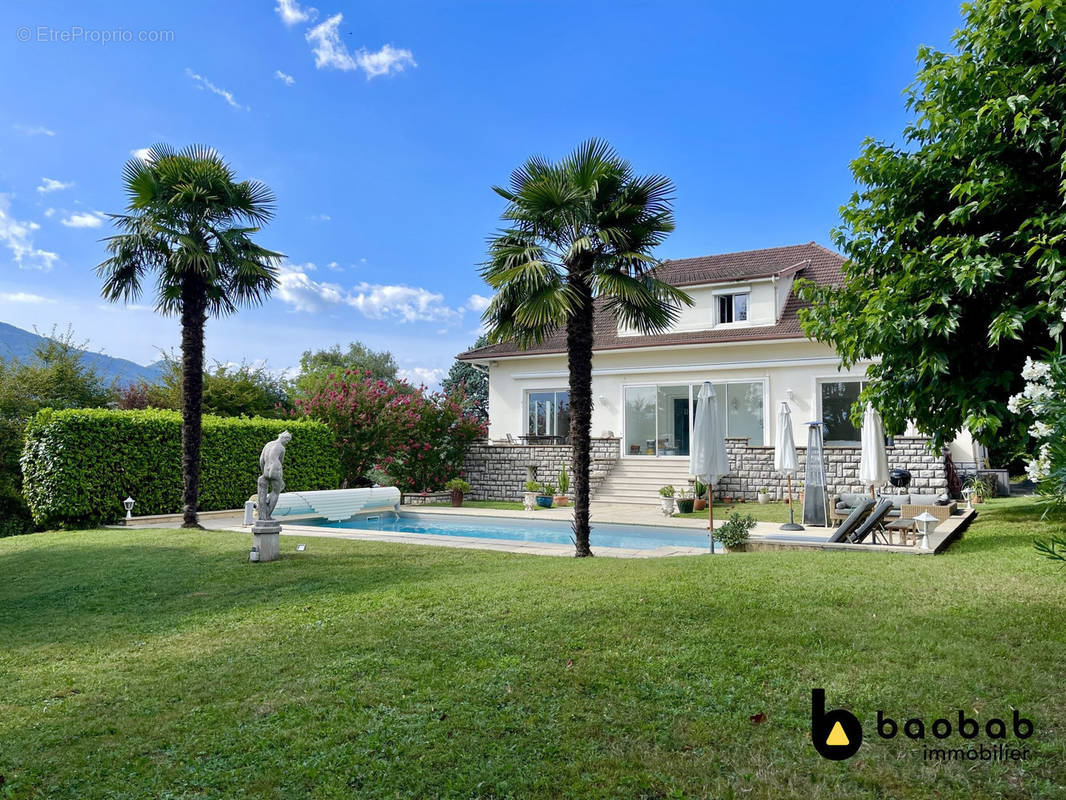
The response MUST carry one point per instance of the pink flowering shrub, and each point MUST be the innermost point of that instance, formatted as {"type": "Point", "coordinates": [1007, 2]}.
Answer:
{"type": "Point", "coordinates": [419, 438]}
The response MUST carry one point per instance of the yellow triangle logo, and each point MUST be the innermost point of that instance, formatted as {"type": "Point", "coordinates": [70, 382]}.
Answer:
{"type": "Point", "coordinates": [837, 737]}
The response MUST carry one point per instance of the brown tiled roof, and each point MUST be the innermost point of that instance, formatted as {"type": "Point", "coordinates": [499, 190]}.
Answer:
{"type": "Point", "coordinates": [811, 261]}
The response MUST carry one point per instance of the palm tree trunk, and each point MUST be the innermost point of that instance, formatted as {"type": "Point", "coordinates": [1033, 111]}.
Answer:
{"type": "Point", "coordinates": [193, 319]}
{"type": "Point", "coordinates": [579, 356]}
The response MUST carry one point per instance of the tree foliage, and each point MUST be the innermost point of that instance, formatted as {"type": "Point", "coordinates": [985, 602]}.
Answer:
{"type": "Point", "coordinates": [230, 390]}
{"type": "Point", "coordinates": [417, 438]}
{"type": "Point", "coordinates": [471, 382]}
{"type": "Point", "coordinates": [954, 239]}
{"type": "Point", "coordinates": [316, 366]}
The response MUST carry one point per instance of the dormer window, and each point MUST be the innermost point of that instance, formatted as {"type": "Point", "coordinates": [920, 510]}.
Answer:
{"type": "Point", "coordinates": [732, 307]}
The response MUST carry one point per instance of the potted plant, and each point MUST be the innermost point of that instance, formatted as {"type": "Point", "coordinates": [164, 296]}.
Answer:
{"type": "Point", "coordinates": [763, 495]}
{"type": "Point", "coordinates": [666, 499]}
{"type": "Point", "coordinates": [981, 487]}
{"type": "Point", "coordinates": [458, 487]}
{"type": "Point", "coordinates": [734, 533]}
{"type": "Point", "coordinates": [563, 497]}
{"type": "Point", "coordinates": [529, 497]}
{"type": "Point", "coordinates": [685, 501]}
{"type": "Point", "coordinates": [545, 495]}
{"type": "Point", "coordinates": [700, 502]}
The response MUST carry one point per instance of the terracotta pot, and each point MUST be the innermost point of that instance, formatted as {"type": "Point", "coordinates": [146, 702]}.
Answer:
{"type": "Point", "coordinates": [699, 505]}
{"type": "Point", "coordinates": [457, 497]}
{"type": "Point", "coordinates": [561, 500]}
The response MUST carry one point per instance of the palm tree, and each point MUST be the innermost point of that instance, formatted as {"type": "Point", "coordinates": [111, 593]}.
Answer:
{"type": "Point", "coordinates": [189, 223]}
{"type": "Point", "coordinates": [580, 233]}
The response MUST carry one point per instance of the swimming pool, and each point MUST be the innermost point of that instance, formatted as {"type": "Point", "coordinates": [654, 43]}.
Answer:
{"type": "Point", "coordinates": [634, 537]}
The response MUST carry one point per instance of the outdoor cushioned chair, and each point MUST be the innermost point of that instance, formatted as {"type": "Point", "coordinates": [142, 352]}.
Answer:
{"type": "Point", "coordinates": [873, 524]}
{"type": "Point", "coordinates": [843, 504]}
{"type": "Point", "coordinates": [854, 519]}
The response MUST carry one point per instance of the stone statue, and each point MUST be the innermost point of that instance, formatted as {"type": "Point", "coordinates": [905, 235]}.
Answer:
{"type": "Point", "coordinates": [270, 481]}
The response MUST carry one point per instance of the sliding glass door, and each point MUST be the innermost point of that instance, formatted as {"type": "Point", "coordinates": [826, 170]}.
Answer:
{"type": "Point", "coordinates": [658, 419]}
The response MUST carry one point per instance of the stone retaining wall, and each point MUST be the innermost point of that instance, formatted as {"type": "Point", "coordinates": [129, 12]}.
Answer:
{"type": "Point", "coordinates": [499, 471]}
{"type": "Point", "coordinates": [752, 468]}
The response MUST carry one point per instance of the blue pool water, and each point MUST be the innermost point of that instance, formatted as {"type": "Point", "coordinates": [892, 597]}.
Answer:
{"type": "Point", "coordinates": [635, 537]}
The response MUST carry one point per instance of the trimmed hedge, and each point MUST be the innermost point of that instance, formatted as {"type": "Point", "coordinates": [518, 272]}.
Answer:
{"type": "Point", "coordinates": [79, 465]}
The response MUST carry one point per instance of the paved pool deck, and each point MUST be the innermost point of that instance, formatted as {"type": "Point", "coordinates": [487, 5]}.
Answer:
{"type": "Point", "coordinates": [765, 535]}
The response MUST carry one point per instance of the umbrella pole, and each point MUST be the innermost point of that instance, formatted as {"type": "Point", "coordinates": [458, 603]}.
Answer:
{"type": "Point", "coordinates": [710, 515]}
{"type": "Point", "coordinates": [791, 524]}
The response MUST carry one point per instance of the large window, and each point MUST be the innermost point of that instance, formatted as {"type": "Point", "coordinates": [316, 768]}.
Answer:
{"type": "Point", "coordinates": [658, 419]}
{"type": "Point", "coordinates": [548, 412]}
{"type": "Point", "coordinates": [732, 307]}
{"type": "Point", "coordinates": [837, 399]}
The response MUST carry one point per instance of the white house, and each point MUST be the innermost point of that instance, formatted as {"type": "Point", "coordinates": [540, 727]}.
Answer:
{"type": "Point", "coordinates": [742, 334]}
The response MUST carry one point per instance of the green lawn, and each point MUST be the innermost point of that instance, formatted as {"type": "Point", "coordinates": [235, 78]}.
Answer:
{"type": "Point", "coordinates": [161, 664]}
{"type": "Point", "coordinates": [771, 512]}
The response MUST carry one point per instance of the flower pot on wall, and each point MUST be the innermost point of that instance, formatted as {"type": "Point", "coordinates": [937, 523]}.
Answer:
{"type": "Point", "coordinates": [457, 498]}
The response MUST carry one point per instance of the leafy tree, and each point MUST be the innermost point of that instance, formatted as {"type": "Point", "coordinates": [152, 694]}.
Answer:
{"type": "Point", "coordinates": [472, 382]}
{"type": "Point", "coordinates": [580, 232]}
{"type": "Point", "coordinates": [55, 377]}
{"type": "Point", "coordinates": [955, 239]}
{"type": "Point", "coordinates": [190, 223]}
{"type": "Point", "coordinates": [229, 391]}
{"type": "Point", "coordinates": [316, 366]}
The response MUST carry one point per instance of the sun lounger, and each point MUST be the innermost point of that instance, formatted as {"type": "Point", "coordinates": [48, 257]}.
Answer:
{"type": "Point", "coordinates": [854, 519]}
{"type": "Point", "coordinates": [873, 524]}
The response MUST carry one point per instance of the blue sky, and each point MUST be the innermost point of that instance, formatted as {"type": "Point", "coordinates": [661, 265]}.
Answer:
{"type": "Point", "coordinates": [382, 126]}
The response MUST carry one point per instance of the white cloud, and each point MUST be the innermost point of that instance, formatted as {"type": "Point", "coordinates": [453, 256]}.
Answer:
{"type": "Point", "coordinates": [478, 302]}
{"type": "Point", "coordinates": [141, 153]}
{"type": "Point", "coordinates": [49, 212]}
{"type": "Point", "coordinates": [291, 13]}
{"type": "Point", "coordinates": [24, 297]}
{"type": "Point", "coordinates": [204, 83]}
{"type": "Point", "coordinates": [385, 61]}
{"type": "Point", "coordinates": [430, 376]}
{"type": "Point", "coordinates": [50, 185]}
{"type": "Point", "coordinates": [331, 53]}
{"type": "Point", "coordinates": [288, 80]}
{"type": "Point", "coordinates": [85, 219]}
{"type": "Point", "coordinates": [372, 300]}
{"type": "Point", "coordinates": [33, 130]}
{"type": "Point", "coordinates": [18, 238]}
{"type": "Point", "coordinates": [333, 265]}
{"type": "Point", "coordinates": [321, 217]}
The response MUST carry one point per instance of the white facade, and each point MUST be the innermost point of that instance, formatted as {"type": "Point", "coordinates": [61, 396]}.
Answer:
{"type": "Point", "coordinates": [740, 334]}
{"type": "Point", "coordinates": [790, 370]}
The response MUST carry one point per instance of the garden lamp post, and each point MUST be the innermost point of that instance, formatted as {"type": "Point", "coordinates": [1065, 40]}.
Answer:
{"type": "Point", "coordinates": [926, 524]}
{"type": "Point", "coordinates": [128, 505]}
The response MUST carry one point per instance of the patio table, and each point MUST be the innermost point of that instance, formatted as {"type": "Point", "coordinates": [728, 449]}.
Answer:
{"type": "Point", "coordinates": [905, 526]}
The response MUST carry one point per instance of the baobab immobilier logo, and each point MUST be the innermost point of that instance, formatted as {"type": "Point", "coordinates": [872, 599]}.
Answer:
{"type": "Point", "coordinates": [837, 734]}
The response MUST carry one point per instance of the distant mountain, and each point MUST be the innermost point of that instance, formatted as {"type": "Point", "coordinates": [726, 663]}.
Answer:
{"type": "Point", "coordinates": [20, 344]}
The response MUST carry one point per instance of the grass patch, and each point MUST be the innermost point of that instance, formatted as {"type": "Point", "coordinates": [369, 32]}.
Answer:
{"type": "Point", "coordinates": [162, 663]}
{"type": "Point", "coordinates": [771, 512]}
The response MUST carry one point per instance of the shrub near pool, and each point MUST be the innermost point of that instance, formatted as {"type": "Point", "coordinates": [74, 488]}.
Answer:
{"type": "Point", "coordinates": [79, 465]}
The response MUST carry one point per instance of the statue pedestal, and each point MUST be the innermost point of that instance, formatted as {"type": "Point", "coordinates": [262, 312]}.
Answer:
{"type": "Point", "coordinates": [266, 534]}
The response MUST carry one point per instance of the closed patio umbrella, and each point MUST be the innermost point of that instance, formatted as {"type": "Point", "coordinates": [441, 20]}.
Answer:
{"type": "Point", "coordinates": [873, 462]}
{"type": "Point", "coordinates": [785, 461]}
{"type": "Point", "coordinates": [709, 461]}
